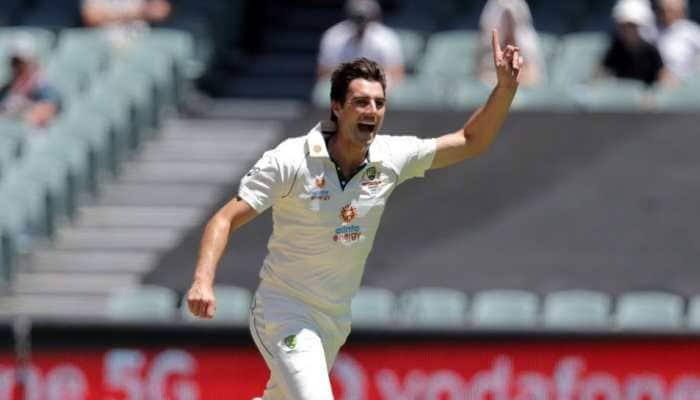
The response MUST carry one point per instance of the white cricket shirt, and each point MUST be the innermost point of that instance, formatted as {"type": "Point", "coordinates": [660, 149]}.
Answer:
{"type": "Point", "coordinates": [322, 233]}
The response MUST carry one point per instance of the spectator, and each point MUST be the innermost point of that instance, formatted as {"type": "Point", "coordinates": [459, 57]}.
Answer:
{"type": "Point", "coordinates": [678, 42]}
{"type": "Point", "coordinates": [513, 20]}
{"type": "Point", "coordinates": [361, 35]}
{"type": "Point", "coordinates": [27, 95]}
{"type": "Point", "coordinates": [124, 20]}
{"type": "Point", "coordinates": [630, 55]}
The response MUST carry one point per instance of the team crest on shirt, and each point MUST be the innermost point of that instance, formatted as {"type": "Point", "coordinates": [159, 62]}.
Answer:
{"type": "Point", "coordinates": [320, 181]}
{"type": "Point", "coordinates": [372, 178]}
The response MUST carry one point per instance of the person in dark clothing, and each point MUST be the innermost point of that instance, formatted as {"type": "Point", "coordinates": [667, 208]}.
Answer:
{"type": "Point", "coordinates": [630, 56]}
{"type": "Point", "coordinates": [27, 95]}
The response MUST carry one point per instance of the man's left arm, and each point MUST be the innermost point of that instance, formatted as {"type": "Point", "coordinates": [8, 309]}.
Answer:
{"type": "Point", "coordinates": [483, 126]}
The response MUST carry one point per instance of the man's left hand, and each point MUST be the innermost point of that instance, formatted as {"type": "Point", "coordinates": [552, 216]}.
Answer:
{"type": "Point", "coordinates": [507, 63]}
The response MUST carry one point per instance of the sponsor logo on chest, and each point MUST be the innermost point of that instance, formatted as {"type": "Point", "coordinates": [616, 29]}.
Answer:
{"type": "Point", "coordinates": [348, 232]}
{"type": "Point", "coordinates": [318, 191]}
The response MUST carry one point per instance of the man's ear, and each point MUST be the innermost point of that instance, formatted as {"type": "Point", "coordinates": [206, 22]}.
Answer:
{"type": "Point", "coordinates": [335, 108]}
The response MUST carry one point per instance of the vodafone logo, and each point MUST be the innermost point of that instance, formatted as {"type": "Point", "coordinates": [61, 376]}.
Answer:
{"type": "Point", "coordinates": [570, 379]}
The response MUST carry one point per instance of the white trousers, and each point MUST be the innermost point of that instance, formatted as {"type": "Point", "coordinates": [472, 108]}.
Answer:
{"type": "Point", "coordinates": [299, 345]}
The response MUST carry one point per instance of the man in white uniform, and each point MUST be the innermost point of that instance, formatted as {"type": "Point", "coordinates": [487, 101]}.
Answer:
{"type": "Point", "coordinates": [327, 191]}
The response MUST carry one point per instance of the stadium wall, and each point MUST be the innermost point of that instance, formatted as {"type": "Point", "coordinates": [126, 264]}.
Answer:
{"type": "Point", "coordinates": [135, 361]}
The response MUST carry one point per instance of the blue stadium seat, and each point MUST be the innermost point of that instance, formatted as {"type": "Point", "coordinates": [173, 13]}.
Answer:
{"type": "Point", "coordinates": [505, 309]}
{"type": "Point", "coordinates": [649, 310]}
{"type": "Point", "coordinates": [433, 307]}
{"type": "Point", "coordinates": [577, 309]}
{"type": "Point", "coordinates": [373, 307]}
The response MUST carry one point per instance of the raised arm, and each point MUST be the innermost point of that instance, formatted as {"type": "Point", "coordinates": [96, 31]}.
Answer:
{"type": "Point", "coordinates": [200, 298]}
{"type": "Point", "coordinates": [481, 128]}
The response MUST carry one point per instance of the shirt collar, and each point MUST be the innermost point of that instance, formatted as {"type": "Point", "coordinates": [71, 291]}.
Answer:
{"type": "Point", "coordinates": [317, 143]}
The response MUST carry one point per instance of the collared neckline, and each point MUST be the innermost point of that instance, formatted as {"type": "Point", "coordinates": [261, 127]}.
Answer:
{"type": "Point", "coordinates": [316, 142]}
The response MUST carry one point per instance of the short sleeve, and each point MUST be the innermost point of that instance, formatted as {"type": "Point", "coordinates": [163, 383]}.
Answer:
{"type": "Point", "coordinates": [412, 156]}
{"type": "Point", "coordinates": [264, 183]}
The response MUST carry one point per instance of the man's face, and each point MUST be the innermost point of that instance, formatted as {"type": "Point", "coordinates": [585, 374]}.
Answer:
{"type": "Point", "coordinates": [669, 11]}
{"type": "Point", "coordinates": [629, 33]}
{"type": "Point", "coordinates": [362, 114]}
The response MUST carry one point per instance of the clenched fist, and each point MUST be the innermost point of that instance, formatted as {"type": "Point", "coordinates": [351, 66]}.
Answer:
{"type": "Point", "coordinates": [201, 300]}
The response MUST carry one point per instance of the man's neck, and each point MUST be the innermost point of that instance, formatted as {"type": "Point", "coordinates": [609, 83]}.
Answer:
{"type": "Point", "coordinates": [348, 156]}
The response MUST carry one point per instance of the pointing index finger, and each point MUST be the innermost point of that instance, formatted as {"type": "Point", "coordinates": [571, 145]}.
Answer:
{"type": "Point", "coordinates": [495, 44]}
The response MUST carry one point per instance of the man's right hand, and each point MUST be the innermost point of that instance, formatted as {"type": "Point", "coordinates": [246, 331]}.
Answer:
{"type": "Point", "coordinates": [201, 300]}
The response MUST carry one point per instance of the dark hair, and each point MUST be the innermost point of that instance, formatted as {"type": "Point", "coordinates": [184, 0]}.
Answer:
{"type": "Point", "coordinates": [360, 68]}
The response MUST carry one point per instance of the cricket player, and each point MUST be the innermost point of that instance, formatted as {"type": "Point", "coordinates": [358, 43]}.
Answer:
{"type": "Point", "coordinates": [327, 191]}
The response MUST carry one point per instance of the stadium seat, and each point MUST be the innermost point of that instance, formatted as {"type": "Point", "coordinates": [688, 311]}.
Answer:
{"type": "Point", "coordinates": [142, 303]}
{"type": "Point", "coordinates": [5, 69]}
{"type": "Point", "coordinates": [117, 108]}
{"type": "Point", "coordinates": [609, 95]}
{"type": "Point", "coordinates": [42, 39]}
{"type": "Point", "coordinates": [29, 201]}
{"type": "Point", "coordinates": [684, 98]}
{"type": "Point", "coordinates": [542, 98]}
{"type": "Point", "coordinates": [46, 164]}
{"type": "Point", "coordinates": [467, 94]}
{"type": "Point", "coordinates": [8, 152]}
{"type": "Point", "coordinates": [577, 309]}
{"type": "Point", "coordinates": [14, 129]}
{"type": "Point", "coordinates": [649, 310]}
{"type": "Point", "coordinates": [412, 45]}
{"type": "Point", "coordinates": [12, 228]}
{"type": "Point", "coordinates": [693, 316]}
{"type": "Point", "coordinates": [84, 50]}
{"type": "Point", "coordinates": [139, 89]}
{"type": "Point", "coordinates": [321, 93]}
{"type": "Point", "coordinates": [92, 129]}
{"type": "Point", "coordinates": [67, 80]}
{"type": "Point", "coordinates": [504, 309]}
{"type": "Point", "coordinates": [416, 93]}
{"type": "Point", "coordinates": [373, 306]}
{"type": "Point", "coordinates": [232, 305]}
{"type": "Point", "coordinates": [451, 55]}
{"type": "Point", "coordinates": [180, 45]}
{"type": "Point", "coordinates": [160, 68]}
{"type": "Point", "coordinates": [433, 307]}
{"type": "Point", "coordinates": [579, 56]}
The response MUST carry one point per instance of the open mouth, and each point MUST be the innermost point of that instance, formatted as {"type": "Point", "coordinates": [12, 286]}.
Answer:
{"type": "Point", "coordinates": [366, 127]}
